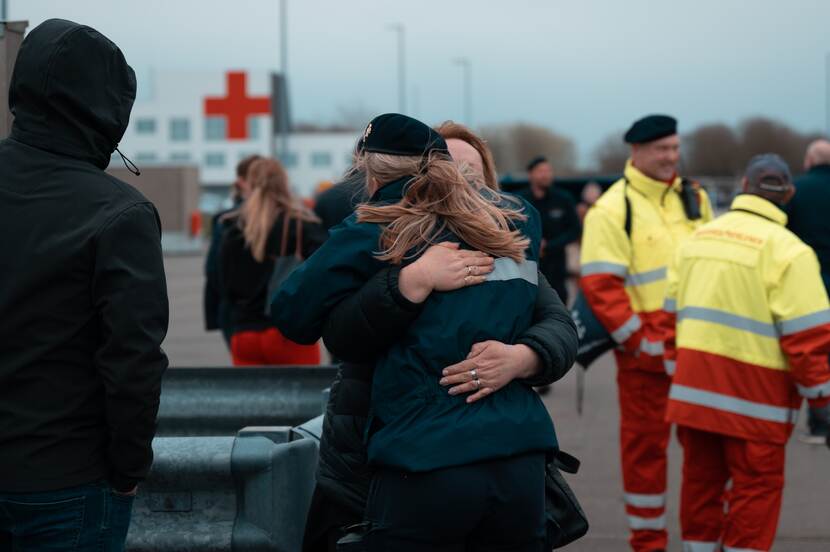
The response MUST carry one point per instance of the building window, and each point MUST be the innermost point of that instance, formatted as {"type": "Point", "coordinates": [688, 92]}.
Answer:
{"type": "Point", "coordinates": [215, 159]}
{"type": "Point", "coordinates": [215, 128]}
{"type": "Point", "coordinates": [180, 157]}
{"type": "Point", "coordinates": [321, 159]}
{"type": "Point", "coordinates": [179, 130]}
{"type": "Point", "coordinates": [253, 128]}
{"type": "Point", "coordinates": [289, 159]}
{"type": "Point", "coordinates": [145, 157]}
{"type": "Point", "coordinates": [145, 126]}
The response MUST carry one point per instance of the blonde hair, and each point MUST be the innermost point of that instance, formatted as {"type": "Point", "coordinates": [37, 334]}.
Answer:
{"type": "Point", "coordinates": [436, 200]}
{"type": "Point", "coordinates": [270, 196]}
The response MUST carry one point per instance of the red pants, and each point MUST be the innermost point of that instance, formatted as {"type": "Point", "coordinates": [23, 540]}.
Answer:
{"type": "Point", "coordinates": [744, 517]}
{"type": "Point", "coordinates": [269, 347]}
{"type": "Point", "coordinates": [644, 438]}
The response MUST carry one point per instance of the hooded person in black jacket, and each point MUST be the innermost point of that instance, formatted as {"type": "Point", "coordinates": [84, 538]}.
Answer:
{"type": "Point", "coordinates": [83, 300]}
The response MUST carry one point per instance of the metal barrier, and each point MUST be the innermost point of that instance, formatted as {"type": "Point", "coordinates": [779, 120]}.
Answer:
{"type": "Point", "coordinates": [249, 492]}
{"type": "Point", "coordinates": [221, 401]}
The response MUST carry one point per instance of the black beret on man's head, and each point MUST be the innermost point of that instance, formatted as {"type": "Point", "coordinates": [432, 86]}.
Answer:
{"type": "Point", "coordinates": [651, 128]}
{"type": "Point", "coordinates": [538, 160]}
{"type": "Point", "coordinates": [396, 134]}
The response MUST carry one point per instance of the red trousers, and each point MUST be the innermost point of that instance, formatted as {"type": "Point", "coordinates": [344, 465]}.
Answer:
{"type": "Point", "coordinates": [744, 517]}
{"type": "Point", "coordinates": [269, 347]}
{"type": "Point", "coordinates": [644, 438]}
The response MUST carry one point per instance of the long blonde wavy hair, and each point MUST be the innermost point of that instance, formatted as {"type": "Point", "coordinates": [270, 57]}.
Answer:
{"type": "Point", "coordinates": [437, 199]}
{"type": "Point", "coordinates": [270, 196]}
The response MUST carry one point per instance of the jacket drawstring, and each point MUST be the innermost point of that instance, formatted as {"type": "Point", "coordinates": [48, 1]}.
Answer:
{"type": "Point", "coordinates": [128, 163]}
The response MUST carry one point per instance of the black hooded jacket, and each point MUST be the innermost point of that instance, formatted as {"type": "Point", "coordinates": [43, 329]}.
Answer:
{"type": "Point", "coordinates": [83, 299]}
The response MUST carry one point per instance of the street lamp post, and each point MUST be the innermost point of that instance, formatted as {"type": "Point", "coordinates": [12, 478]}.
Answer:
{"type": "Point", "coordinates": [465, 65]}
{"type": "Point", "coordinates": [283, 107]}
{"type": "Point", "coordinates": [399, 28]}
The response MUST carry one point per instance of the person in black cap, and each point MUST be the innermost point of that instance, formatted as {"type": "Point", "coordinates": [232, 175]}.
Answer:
{"type": "Point", "coordinates": [560, 223]}
{"type": "Point", "coordinates": [630, 234]}
{"type": "Point", "coordinates": [450, 474]}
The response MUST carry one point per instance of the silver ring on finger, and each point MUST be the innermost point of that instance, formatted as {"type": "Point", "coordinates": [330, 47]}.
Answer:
{"type": "Point", "coordinates": [474, 270]}
{"type": "Point", "coordinates": [478, 383]}
{"type": "Point", "coordinates": [466, 280]}
{"type": "Point", "coordinates": [473, 374]}
{"type": "Point", "coordinates": [469, 270]}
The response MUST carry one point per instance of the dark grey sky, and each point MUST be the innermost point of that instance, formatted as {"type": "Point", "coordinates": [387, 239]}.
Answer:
{"type": "Point", "coordinates": [584, 68]}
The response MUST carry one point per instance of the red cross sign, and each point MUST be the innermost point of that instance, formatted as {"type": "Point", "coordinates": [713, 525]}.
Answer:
{"type": "Point", "coordinates": [237, 106]}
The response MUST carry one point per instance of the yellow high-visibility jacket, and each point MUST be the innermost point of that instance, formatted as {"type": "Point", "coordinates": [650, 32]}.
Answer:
{"type": "Point", "coordinates": [624, 278]}
{"type": "Point", "coordinates": [752, 328]}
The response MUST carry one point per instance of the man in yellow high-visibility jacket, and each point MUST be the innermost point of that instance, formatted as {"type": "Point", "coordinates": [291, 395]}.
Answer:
{"type": "Point", "coordinates": [629, 237]}
{"type": "Point", "coordinates": [752, 340]}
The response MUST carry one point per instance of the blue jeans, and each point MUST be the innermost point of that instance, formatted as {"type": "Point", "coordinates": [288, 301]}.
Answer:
{"type": "Point", "coordinates": [86, 518]}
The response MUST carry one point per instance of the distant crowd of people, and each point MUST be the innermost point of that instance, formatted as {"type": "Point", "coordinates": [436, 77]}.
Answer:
{"type": "Point", "coordinates": [442, 298]}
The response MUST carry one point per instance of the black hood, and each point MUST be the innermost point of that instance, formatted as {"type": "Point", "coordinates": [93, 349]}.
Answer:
{"type": "Point", "coordinates": [71, 92]}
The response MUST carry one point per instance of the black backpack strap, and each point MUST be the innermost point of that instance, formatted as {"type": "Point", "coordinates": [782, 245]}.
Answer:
{"type": "Point", "coordinates": [627, 224]}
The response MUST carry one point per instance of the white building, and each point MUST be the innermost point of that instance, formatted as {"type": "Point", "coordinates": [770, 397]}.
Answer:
{"type": "Point", "coordinates": [214, 119]}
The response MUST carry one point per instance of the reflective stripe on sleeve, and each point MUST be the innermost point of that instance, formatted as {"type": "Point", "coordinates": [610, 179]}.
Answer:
{"type": "Point", "coordinates": [733, 549]}
{"type": "Point", "coordinates": [700, 546]}
{"type": "Point", "coordinates": [670, 305]}
{"type": "Point", "coordinates": [647, 277]}
{"type": "Point", "coordinates": [645, 500]}
{"type": "Point", "coordinates": [602, 267]}
{"type": "Point", "coordinates": [627, 330]}
{"type": "Point", "coordinates": [727, 319]}
{"type": "Point", "coordinates": [795, 325]}
{"type": "Point", "coordinates": [670, 366]}
{"type": "Point", "coordinates": [734, 405]}
{"type": "Point", "coordinates": [815, 391]}
{"type": "Point", "coordinates": [637, 522]}
{"type": "Point", "coordinates": [508, 269]}
{"type": "Point", "coordinates": [652, 348]}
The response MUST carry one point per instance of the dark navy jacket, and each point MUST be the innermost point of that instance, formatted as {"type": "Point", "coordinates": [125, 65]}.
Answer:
{"type": "Point", "coordinates": [414, 423]}
{"type": "Point", "coordinates": [808, 215]}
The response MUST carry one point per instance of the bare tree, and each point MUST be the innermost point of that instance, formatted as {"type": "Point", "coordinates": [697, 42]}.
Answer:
{"type": "Point", "coordinates": [761, 135]}
{"type": "Point", "coordinates": [514, 145]}
{"type": "Point", "coordinates": [611, 154]}
{"type": "Point", "coordinates": [712, 150]}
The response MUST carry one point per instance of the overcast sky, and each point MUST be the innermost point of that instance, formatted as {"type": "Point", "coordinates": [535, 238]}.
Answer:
{"type": "Point", "coordinates": [585, 68]}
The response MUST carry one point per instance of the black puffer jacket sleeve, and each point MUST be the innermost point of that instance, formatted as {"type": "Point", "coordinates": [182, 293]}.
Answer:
{"type": "Point", "coordinates": [553, 336]}
{"type": "Point", "coordinates": [367, 322]}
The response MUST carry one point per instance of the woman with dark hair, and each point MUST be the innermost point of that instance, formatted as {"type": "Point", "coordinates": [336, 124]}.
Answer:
{"type": "Point", "coordinates": [271, 223]}
{"type": "Point", "coordinates": [449, 475]}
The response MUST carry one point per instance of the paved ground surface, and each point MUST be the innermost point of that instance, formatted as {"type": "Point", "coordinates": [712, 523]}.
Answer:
{"type": "Point", "coordinates": [805, 519]}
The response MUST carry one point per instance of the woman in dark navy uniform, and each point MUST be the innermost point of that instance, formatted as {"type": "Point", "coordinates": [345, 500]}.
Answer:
{"type": "Point", "coordinates": [450, 475]}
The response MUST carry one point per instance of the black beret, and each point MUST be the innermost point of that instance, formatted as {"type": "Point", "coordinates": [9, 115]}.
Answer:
{"type": "Point", "coordinates": [650, 128]}
{"type": "Point", "coordinates": [396, 134]}
{"type": "Point", "coordinates": [538, 160]}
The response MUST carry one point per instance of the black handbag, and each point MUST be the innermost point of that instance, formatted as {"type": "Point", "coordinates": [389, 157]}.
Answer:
{"type": "Point", "coordinates": [284, 264]}
{"type": "Point", "coordinates": [565, 520]}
